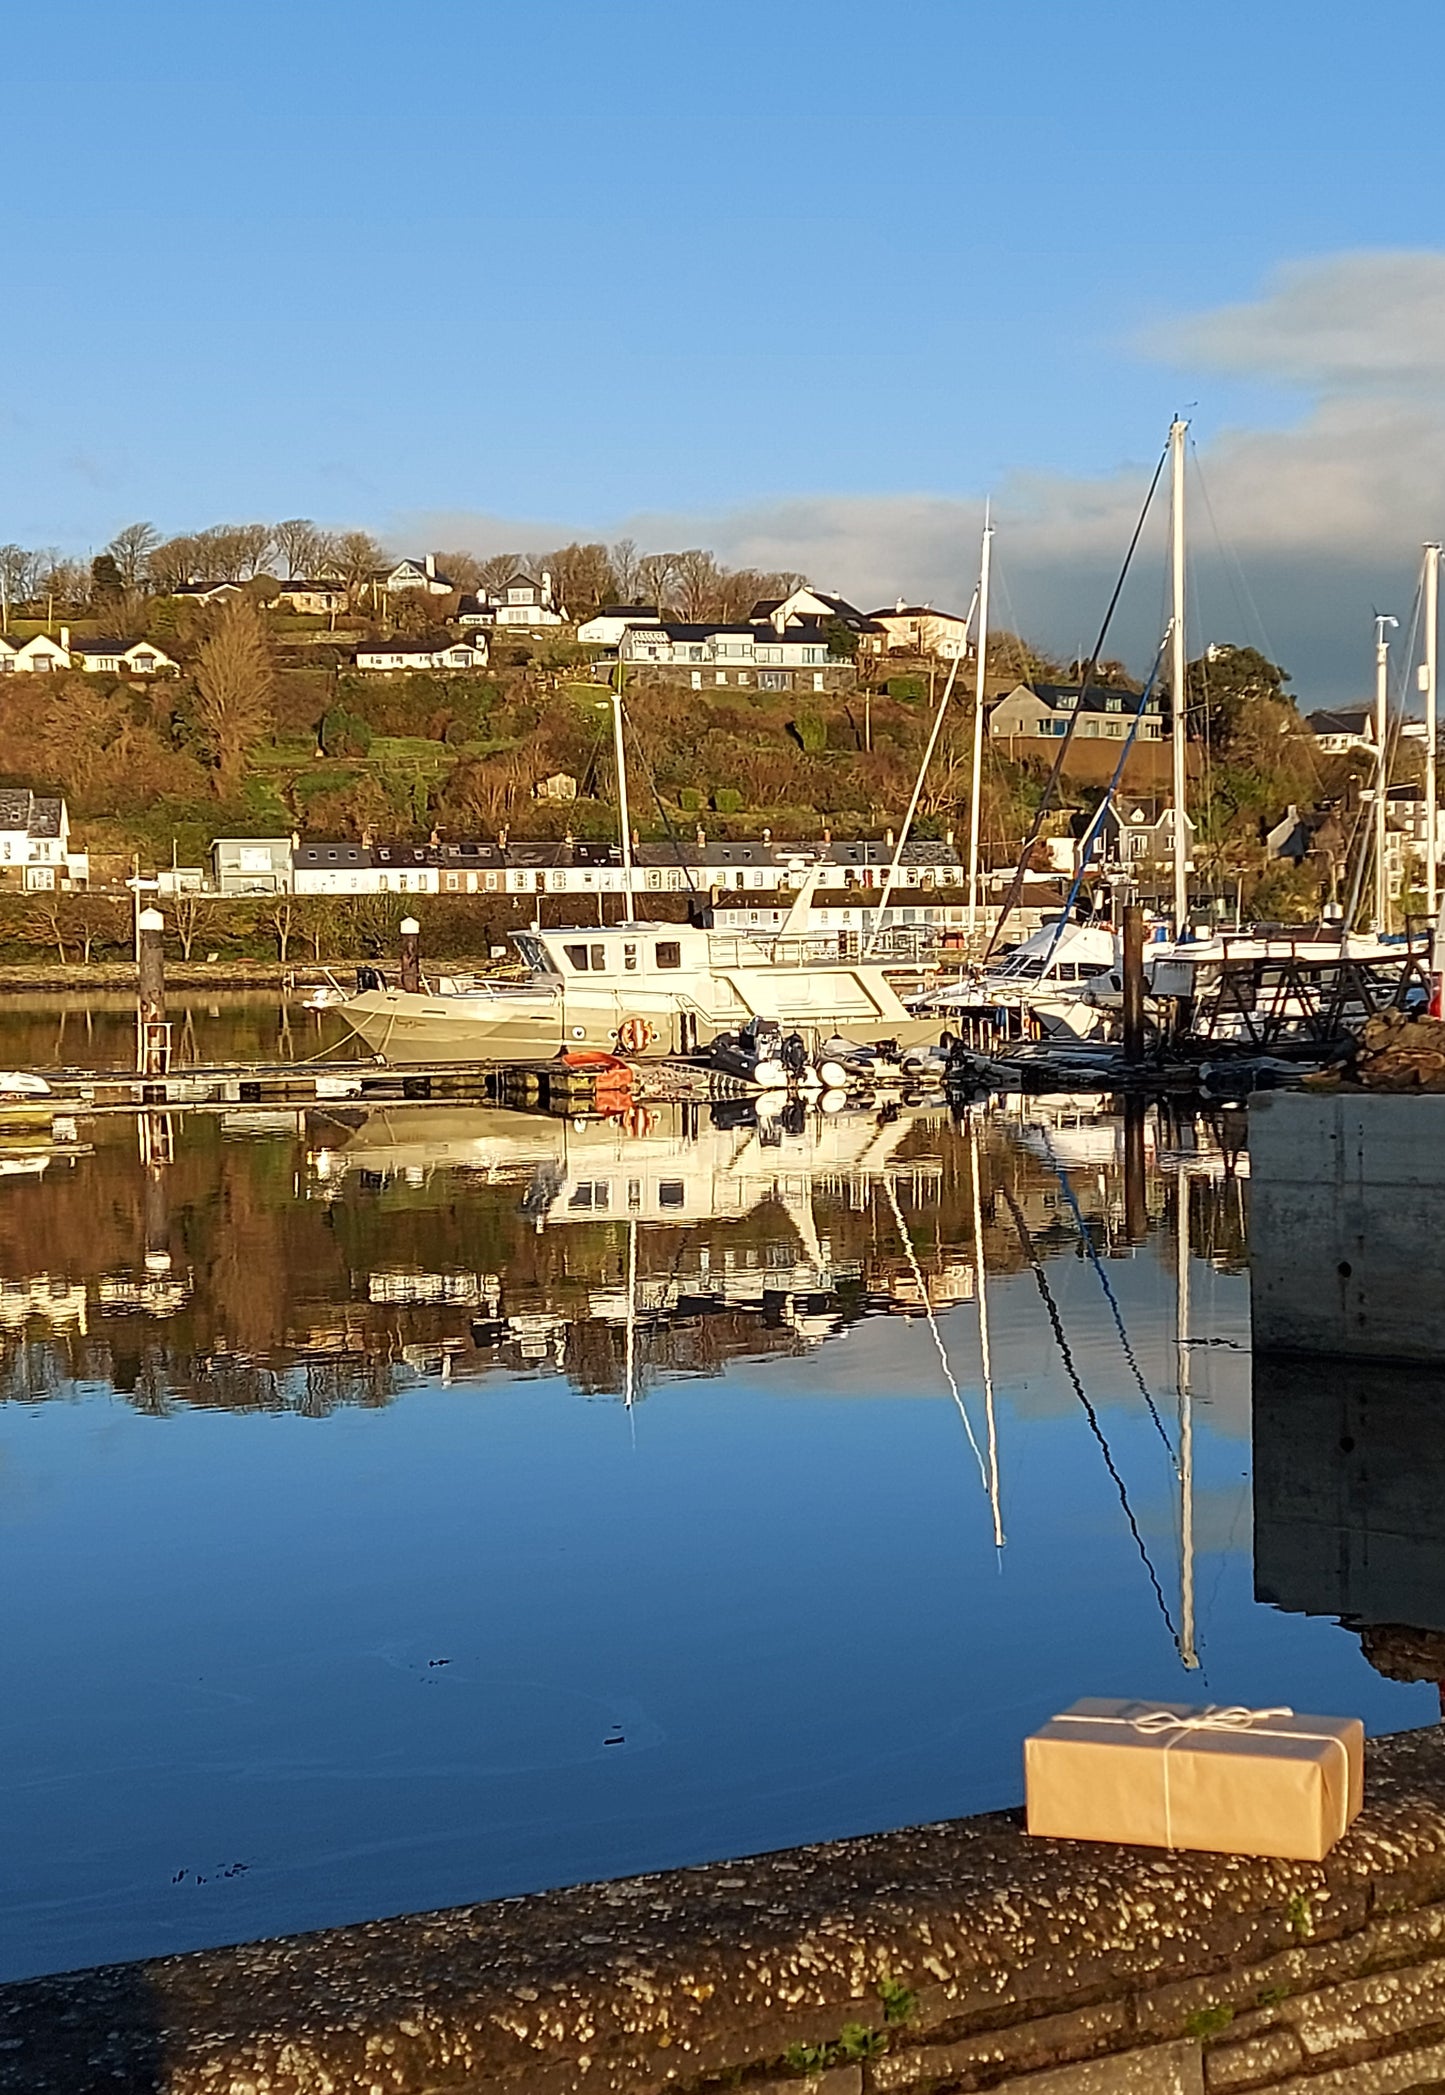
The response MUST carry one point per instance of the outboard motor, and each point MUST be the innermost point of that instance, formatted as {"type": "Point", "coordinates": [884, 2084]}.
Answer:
{"type": "Point", "coordinates": [369, 978]}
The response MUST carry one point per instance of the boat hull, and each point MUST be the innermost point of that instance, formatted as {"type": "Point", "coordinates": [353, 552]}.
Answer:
{"type": "Point", "coordinates": [409, 1027]}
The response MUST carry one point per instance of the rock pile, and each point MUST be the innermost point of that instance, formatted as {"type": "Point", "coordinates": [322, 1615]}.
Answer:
{"type": "Point", "coordinates": [1398, 1053]}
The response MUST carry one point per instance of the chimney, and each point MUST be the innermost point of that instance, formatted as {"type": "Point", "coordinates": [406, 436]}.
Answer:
{"type": "Point", "coordinates": [948, 838]}
{"type": "Point", "coordinates": [827, 836]}
{"type": "Point", "coordinates": [898, 607]}
{"type": "Point", "coordinates": [65, 638]}
{"type": "Point", "coordinates": [767, 836]}
{"type": "Point", "coordinates": [546, 585]}
{"type": "Point", "coordinates": [502, 835]}
{"type": "Point", "coordinates": [888, 839]}
{"type": "Point", "coordinates": [701, 837]}
{"type": "Point", "coordinates": [431, 566]}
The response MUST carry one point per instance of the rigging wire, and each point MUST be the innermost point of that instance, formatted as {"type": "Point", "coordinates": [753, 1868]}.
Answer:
{"type": "Point", "coordinates": [1016, 885]}
{"type": "Point", "coordinates": [1092, 1252]}
{"type": "Point", "coordinates": [1030, 1252]}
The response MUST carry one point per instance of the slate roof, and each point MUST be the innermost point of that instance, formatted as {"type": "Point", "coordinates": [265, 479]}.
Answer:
{"type": "Point", "coordinates": [1353, 720]}
{"type": "Point", "coordinates": [37, 815]}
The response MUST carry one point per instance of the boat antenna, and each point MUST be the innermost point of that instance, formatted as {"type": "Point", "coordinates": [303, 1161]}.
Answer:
{"type": "Point", "coordinates": [1011, 899]}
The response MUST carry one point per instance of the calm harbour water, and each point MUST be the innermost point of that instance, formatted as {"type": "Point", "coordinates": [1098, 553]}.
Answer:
{"type": "Point", "coordinates": [477, 1502]}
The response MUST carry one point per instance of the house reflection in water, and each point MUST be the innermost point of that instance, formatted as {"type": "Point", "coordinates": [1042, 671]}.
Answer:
{"type": "Point", "coordinates": [1349, 1505]}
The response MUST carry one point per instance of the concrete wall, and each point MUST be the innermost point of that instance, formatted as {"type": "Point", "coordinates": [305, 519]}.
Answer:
{"type": "Point", "coordinates": [1347, 1225]}
{"type": "Point", "coordinates": [960, 1956]}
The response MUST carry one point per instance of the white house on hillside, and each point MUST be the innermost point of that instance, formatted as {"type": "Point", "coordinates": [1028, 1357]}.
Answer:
{"type": "Point", "coordinates": [525, 603]}
{"type": "Point", "coordinates": [121, 657]}
{"type": "Point", "coordinates": [920, 629]}
{"type": "Point", "coordinates": [1337, 732]}
{"type": "Point", "coordinates": [607, 626]}
{"type": "Point", "coordinates": [41, 653]}
{"type": "Point", "coordinates": [415, 574]}
{"type": "Point", "coordinates": [388, 656]}
{"type": "Point", "coordinates": [35, 849]}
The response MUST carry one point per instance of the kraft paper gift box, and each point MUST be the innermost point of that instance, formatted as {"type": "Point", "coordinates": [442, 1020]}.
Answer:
{"type": "Point", "coordinates": [1172, 1775]}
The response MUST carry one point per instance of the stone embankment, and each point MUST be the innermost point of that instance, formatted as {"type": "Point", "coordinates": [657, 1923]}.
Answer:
{"type": "Point", "coordinates": [953, 1957]}
{"type": "Point", "coordinates": [1394, 1052]}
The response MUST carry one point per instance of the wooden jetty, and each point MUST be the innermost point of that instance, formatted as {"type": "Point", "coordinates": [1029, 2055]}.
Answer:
{"type": "Point", "coordinates": [552, 1085]}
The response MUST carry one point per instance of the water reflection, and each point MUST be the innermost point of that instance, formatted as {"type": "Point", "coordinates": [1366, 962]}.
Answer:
{"type": "Point", "coordinates": [1349, 1482]}
{"type": "Point", "coordinates": [330, 1598]}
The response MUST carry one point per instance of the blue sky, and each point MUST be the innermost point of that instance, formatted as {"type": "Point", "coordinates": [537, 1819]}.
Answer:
{"type": "Point", "coordinates": [769, 277]}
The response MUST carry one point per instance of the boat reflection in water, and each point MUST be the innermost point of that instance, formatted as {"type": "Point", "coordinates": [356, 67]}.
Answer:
{"type": "Point", "coordinates": [1349, 1505]}
{"type": "Point", "coordinates": [665, 1168]}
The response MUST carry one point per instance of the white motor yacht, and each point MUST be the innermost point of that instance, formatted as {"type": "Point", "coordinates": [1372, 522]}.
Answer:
{"type": "Point", "coordinates": [641, 989]}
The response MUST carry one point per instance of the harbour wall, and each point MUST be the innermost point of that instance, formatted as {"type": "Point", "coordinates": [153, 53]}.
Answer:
{"type": "Point", "coordinates": [1347, 1225]}
{"type": "Point", "coordinates": [960, 1956]}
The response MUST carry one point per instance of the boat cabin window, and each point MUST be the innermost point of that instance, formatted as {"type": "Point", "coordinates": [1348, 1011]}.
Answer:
{"type": "Point", "coordinates": [669, 952]}
{"type": "Point", "coordinates": [629, 957]}
{"type": "Point", "coordinates": [535, 953]}
{"type": "Point", "coordinates": [583, 957]}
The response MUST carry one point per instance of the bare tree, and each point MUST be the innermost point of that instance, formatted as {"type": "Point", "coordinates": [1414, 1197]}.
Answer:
{"type": "Point", "coordinates": [19, 574]}
{"type": "Point", "coordinates": [43, 924]}
{"type": "Point", "coordinates": [656, 573]}
{"type": "Point", "coordinates": [462, 569]}
{"type": "Point", "coordinates": [131, 550]}
{"type": "Point", "coordinates": [190, 914]}
{"type": "Point", "coordinates": [697, 584]}
{"type": "Point", "coordinates": [255, 544]}
{"type": "Point", "coordinates": [499, 569]}
{"type": "Point", "coordinates": [625, 561]}
{"type": "Point", "coordinates": [358, 556]}
{"type": "Point", "coordinates": [234, 684]}
{"type": "Point", "coordinates": [299, 543]}
{"type": "Point", "coordinates": [582, 578]}
{"type": "Point", "coordinates": [279, 918]}
{"type": "Point", "coordinates": [174, 562]}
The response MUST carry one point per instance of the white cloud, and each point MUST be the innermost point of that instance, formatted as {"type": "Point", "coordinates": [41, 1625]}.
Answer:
{"type": "Point", "coordinates": [1306, 529]}
{"type": "Point", "coordinates": [1356, 320]}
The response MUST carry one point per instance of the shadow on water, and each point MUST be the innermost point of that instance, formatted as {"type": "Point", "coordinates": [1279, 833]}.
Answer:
{"type": "Point", "coordinates": [1349, 1504]}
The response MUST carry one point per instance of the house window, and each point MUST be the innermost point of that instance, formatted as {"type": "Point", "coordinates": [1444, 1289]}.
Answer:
{"type": "Point", "coordinates": [719, 676]}
{"type": "Point", "coordinates": [697, 680]}
{"type": "Point", "coordinates": [775, 680]}
{"type": "Point", "coordinates": [454, 881]}
{"type": "Point", "coordinates": [817, 679]}
{"type": "Point", "coordinates": [669, 952]}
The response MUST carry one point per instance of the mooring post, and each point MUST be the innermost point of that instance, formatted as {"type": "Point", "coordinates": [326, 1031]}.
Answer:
{"type": "Point", "coordinates": [1133, 982]}
{"type": "Point", "coordinates": [153, 1034]}
{"type": "Point", "coordinates": [1136, 1202]}
{"type": "Point", "coordinates": [410, 954]}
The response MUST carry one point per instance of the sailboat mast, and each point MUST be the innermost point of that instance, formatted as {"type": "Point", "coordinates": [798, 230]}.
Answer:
{"type": "Point", "coordinates": [622, 810]}
{"type": "Point", "coordinates": [976, 778]}
{"type": "Point", "coordinates": [1178, 673]}
{"type": "Point", "coordinates": [1187, 1652]}
{"type": "Point", "coordinates": [1382, 765]}
{"type": "Point", "coordinates": [980, 1270]}
{"type": "Point", "coordinates": [1432, 664]}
